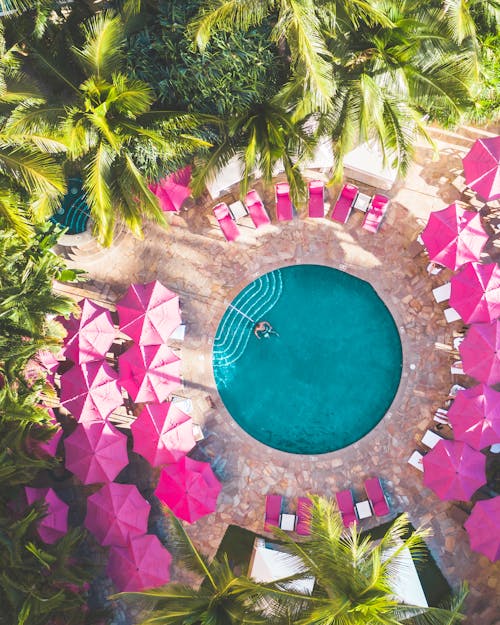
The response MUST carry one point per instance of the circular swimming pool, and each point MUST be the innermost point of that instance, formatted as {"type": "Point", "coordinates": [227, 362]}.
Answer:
{"type": "Point", "coordinates": [326, 372]}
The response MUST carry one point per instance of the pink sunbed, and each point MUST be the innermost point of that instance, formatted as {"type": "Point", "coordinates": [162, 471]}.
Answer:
{"type": "Point", "coordinates": [273, 511]}
{"type": "Point", "coordinates": [303, 526]}
{"type": "Point", "coordinates": [345, 202]}
{"type": "Point", "coordinates": [316, 198]}
{"type": "Point", "coordinates": [284, 207]}
{"type": "Point", "coordinates": [375, 213]}
{"type": "Point", "coordinates": [256, 209]}
{"type": "Point", "coordinates": [347, 510]}
{"type": "Point", "coordinates": [376, 496]}
{"type": "Point", "coordinates": [226, 223]}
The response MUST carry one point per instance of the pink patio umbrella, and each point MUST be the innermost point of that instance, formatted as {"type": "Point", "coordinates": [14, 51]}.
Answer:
{"type": "Point", "coordinates": [483, 527]}
{"type": "Point", "coordinates": [90, 335]}
{"type": "Point", "coordinates": [116, 513]}
{"type": "Point", "coordinates": [453, 470]}
{"type": "Point", "coordinates": [50, 447]}
{"type": "Point", "coordinates": [480, 352]}
{"type": "Point", "coordinates": [482, 168]}
{"type": "Point", "coordinates": [475, 292]}
{"type": "Point", "coordinates": [454, 236]}
{"type": "Point", "coordinates": [149, 313]}
{"type": "Point", "coordinates": [173, 190]}
{"type": "Point", "coordinates": [149, 372]}
{"type": "Point", "coordinates": [143, 563]}
{"type": "Point", "coordinates": [162, 433]}
{"type": "Point", "coordinates": [96, 452]}
{"type": "Point", "coordinates": [54, 525]}
{"type": "Point", "coordinates": [189, 488]}
{"type": "Point", "coordinates": [475, 416]}
{"type": "Point", "coordinates": [90, 392]}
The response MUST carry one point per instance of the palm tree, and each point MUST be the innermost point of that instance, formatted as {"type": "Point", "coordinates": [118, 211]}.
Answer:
{"type": "Point", "coordinates": [463, 16]}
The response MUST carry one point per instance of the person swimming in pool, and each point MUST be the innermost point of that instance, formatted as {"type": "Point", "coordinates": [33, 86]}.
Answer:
{"type": "Point", "coordinates": [263, 329]}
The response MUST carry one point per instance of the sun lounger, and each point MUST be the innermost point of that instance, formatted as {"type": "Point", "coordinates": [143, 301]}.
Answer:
{"type": "Point", "coordinates": [347, 510]}
{"type": "Point", "coordinates": [284, 206]}
{"type": "Point", "coordinates": [179, 333]}
{"type": "Point", "coordinates": [273, 511]}
{"type": "Point", "coordinates": [256, 209]}
{"type": "Point", "coordinates": [431, 439]}
{"type": "Point", "coordinates": [457, 368]}
{"type": "Point", "coordinates": [227, 225]}
{"type": "Point", "coordinates": [375, 213]}
{"type": "Point", "coordinates": [376, 496]}
{"type": "Point", "coordinates": [434, 269]}
{"type": "Point", "coordinates": [316, 198]}
{"type": "Point", "coordinates": [442, 293]}
{"type": "Point", "coordinates": [344, 203]}
{"type": "Point", "coordinates": [303, 526]}
{"type": "Point", "coordinates": [451, 315]}
{"type": "Point", "coordinates": [416, 460]}
{"type": "Point", "coordinates": [454, 390]}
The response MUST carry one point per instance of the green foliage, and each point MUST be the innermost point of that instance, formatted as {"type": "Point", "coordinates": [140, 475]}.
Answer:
{"type": "Point", "coordinates": [486, 107]}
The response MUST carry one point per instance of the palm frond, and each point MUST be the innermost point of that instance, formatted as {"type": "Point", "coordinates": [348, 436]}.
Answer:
{"type": "Point", "coordinates": [97, 188]}
{"type": "Point", "coordinates": [35, 171]}
{"type": "Point", "coordinates": [13, 213]}
{"type": "Point", "coordinates": [102, 52]}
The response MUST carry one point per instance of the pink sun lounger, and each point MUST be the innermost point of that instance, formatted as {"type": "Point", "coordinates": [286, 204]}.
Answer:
{"type": "Point", "coordinates": [303, 526]}
{"type": "Point", "coordinates": [256, 209]}
{"type": "Point", "coordinates": [376, 496]}
{"type": "Point", "coordinates": [226, 223]}
{"type": "Point", "coordinates": [347, 510]}
{"type": "Point", "coordinates": [273, 511]}
{"type": "Point", "coordinates": [375, 213]}
{"type": "Point", "coordinates": [284, 206]}
{"type": "Point", "coordinates": [316, 198]}
{"type": "Point", "coordinates": [345, 202]}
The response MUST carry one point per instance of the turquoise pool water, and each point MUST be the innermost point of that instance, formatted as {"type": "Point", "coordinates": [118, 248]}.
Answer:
{"type": "Point", "coordinates": [73, 213]}
{"type": "Point", "coordinates": [331, 374]}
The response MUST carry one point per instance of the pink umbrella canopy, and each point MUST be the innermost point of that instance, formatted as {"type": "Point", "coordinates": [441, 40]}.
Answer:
{"type": "Point", "coordinates": [453, 470]}
{"type": "Point", "coordinates": [475, 293]}
{"type": "Point", "coordinates": [483, 527]}
{"type": "Point", "coordinates": [149, 313]}
{"type": "Point", "coordinates": [143, 563]}
{"type": "Point", "coordinates": [189, 488]}
{"type": "Point", "coordinates": [149, 373]}
{"type": "Point", "coordinates": [173, 190]}
{"type": "Point", "coordinates": [90, 335]}
{"type": "Point", "coordinates": [116, 513]}
{"type": "Point", "coordinates": [454, 236]}
{"type": "Point", "coordinates": [90, 392]}
{"type": "Point", "coordinates": [96, 452]}
{"type": "Point", "coordinates": [54, 525]}
{"type": "Point", "coordinates": [162, 433]}
{"type": "Point", "coordinates": [482, 168]}
{"type": "Point", "coordinates": [50, 447]}
{"type": "Point", "coordinates": [475, 416]}
{"type": "Point", "coordinates": [480, 352]}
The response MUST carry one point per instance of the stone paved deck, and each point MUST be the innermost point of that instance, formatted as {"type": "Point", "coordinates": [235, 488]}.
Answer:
{"type": "Point", "coordinates": [193, 259]}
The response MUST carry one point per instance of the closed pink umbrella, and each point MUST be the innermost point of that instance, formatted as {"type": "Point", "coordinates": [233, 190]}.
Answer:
{"type": "Point", "coordinates": [173, 190]}
{"type": "Point", "coordinates": [475, 416]}
{"type": "Point", "coordinates": [90, 392]}
{"type": "Point", "coordinates": [483, 527]}
{"type": "Point", "coordinates": [453, 470]}
{"type": "Point", "coordinates": [116, 513]}
{"type": "Point", "coordinates": [50, 447]}
{"type": "Point", "coordinates": [454, 236]}
{"type": "Point", "coordinates": [143, 563]}
{"type": "Point", "coordinates": [162, 433]}
{"type": "Point", "coordinates": [482, 168]}
{"type": "Point", "coordinates": [189, 488]}
{"type": "Point", "coordinates": [149, 373]}
{"type": "Point", "coordinates": [54, 525]}
{"type": "Point", "coordinates": [480, 352]}
{"type": "Point", "coordinates": [475, 293]}
{"type": "Point", "coordinates": [96, 452]}
{"type": "Point", "coordinates": [149, 313]}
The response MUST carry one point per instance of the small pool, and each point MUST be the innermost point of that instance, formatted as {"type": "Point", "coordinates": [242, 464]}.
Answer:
{"type": "Point", "coordinates": [73, 212]}
{"type": "Point", "coordinates": [327, 377]}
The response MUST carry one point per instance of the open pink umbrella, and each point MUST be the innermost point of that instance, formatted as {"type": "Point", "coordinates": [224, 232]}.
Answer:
{"type": "Point", "coordinates": [54, 525]}
{"type": "Point", "coordinates": [173, 190]}
{"type": "Point", "coordinates": [143, 563]}
{"type": "Point", "coordinates": [149, 313]}
{"type": "Point", "coordinates": [453, 470]}
{"type": "Point", "coordinates": [475, 416]}
{"type": "Point", "coordinates": [96, 452]}
{"type": "Point", "coordinates": [482, 168]}
{"type": "Point", "coordinates": [149, 372]}
{"type": "Point", "coordinates": [480, 352]}
{"type": "Point", "coordinates": [90, 392]}
{"type": "Point", "coordinates": [162, 433]}
{"type": "Point", "coordinates": [483, 527]}
{"type": "Point", "coordinates": [454, 236]}
{"type": "Point", "coordinates": [50, 447]}
{"type": "Point", "coordinates": [189, 488]}
{"type": "Point", "coordinates": [90, 335]}
{"type": "Point", "coordinates": [475, 292]}
{"type": "Point", "coordinates": [116, 513]}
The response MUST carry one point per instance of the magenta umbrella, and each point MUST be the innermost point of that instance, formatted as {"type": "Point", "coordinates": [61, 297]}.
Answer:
{"type": "Point", "coordinates": [454, 236]}
{"type": "Point", "coordinates": [475, 416]}
{"type": "Point", "coordinates": [50, 447]}
{"type": "Point", "coordinates": [116, 513]}
{"type": "Point", "coordinates": [453, 470]}
{"type": "Point", "coordinates": [96, 452]}
{"type": "Point", "coordinates": [482, 168]}
{"type": "Point", "coordinates": [90, 335]}
{"type": "Point", "coordinates": [480, 352]}
{"type": "Point", "coordinates": [475, 293]}
{"type": "Point", "coordinates": [90, 392]}
{"type": "Point", "coordinates": [149, 313]}
{"type": "Point", "coordinates": [189, 488]}
{"type": "Point", "coordinates": [483, 527]}
{"type": "Point", "coordinates": [162, 433]}
{"type": "Point", "coordinates": [173, 190]}
{"type": "Point", "coordinates": [143, 563]}
{"type": "Point", "coordinates": [149, 372]}
{"type": "Point", "coordinates": [54, 525]}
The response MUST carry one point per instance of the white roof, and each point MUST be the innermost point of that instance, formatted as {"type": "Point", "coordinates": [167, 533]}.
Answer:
{"type": "Point", "coordinates": [270, 565]}
{"type": "Point", "coordinates": [366, 164]}
{"type": "Point", "coordinates": [226, 177]}
{"type": "Point", "coordinates": [407, 586]}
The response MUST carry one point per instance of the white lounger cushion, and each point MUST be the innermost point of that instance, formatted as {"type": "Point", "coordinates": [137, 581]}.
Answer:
{"type": "Point", "coordinates": [416, 460]}
{"type": "Point", "coordinates": [431, 439]}
{"type": "Point", "coordinates": [179, 333]}
{"type": "Point", "coordinates": [451, 315]}
{"type": "Point", "coordinates": [457, 368]}
{"type": "Point", "coordinates": [442, 293]}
